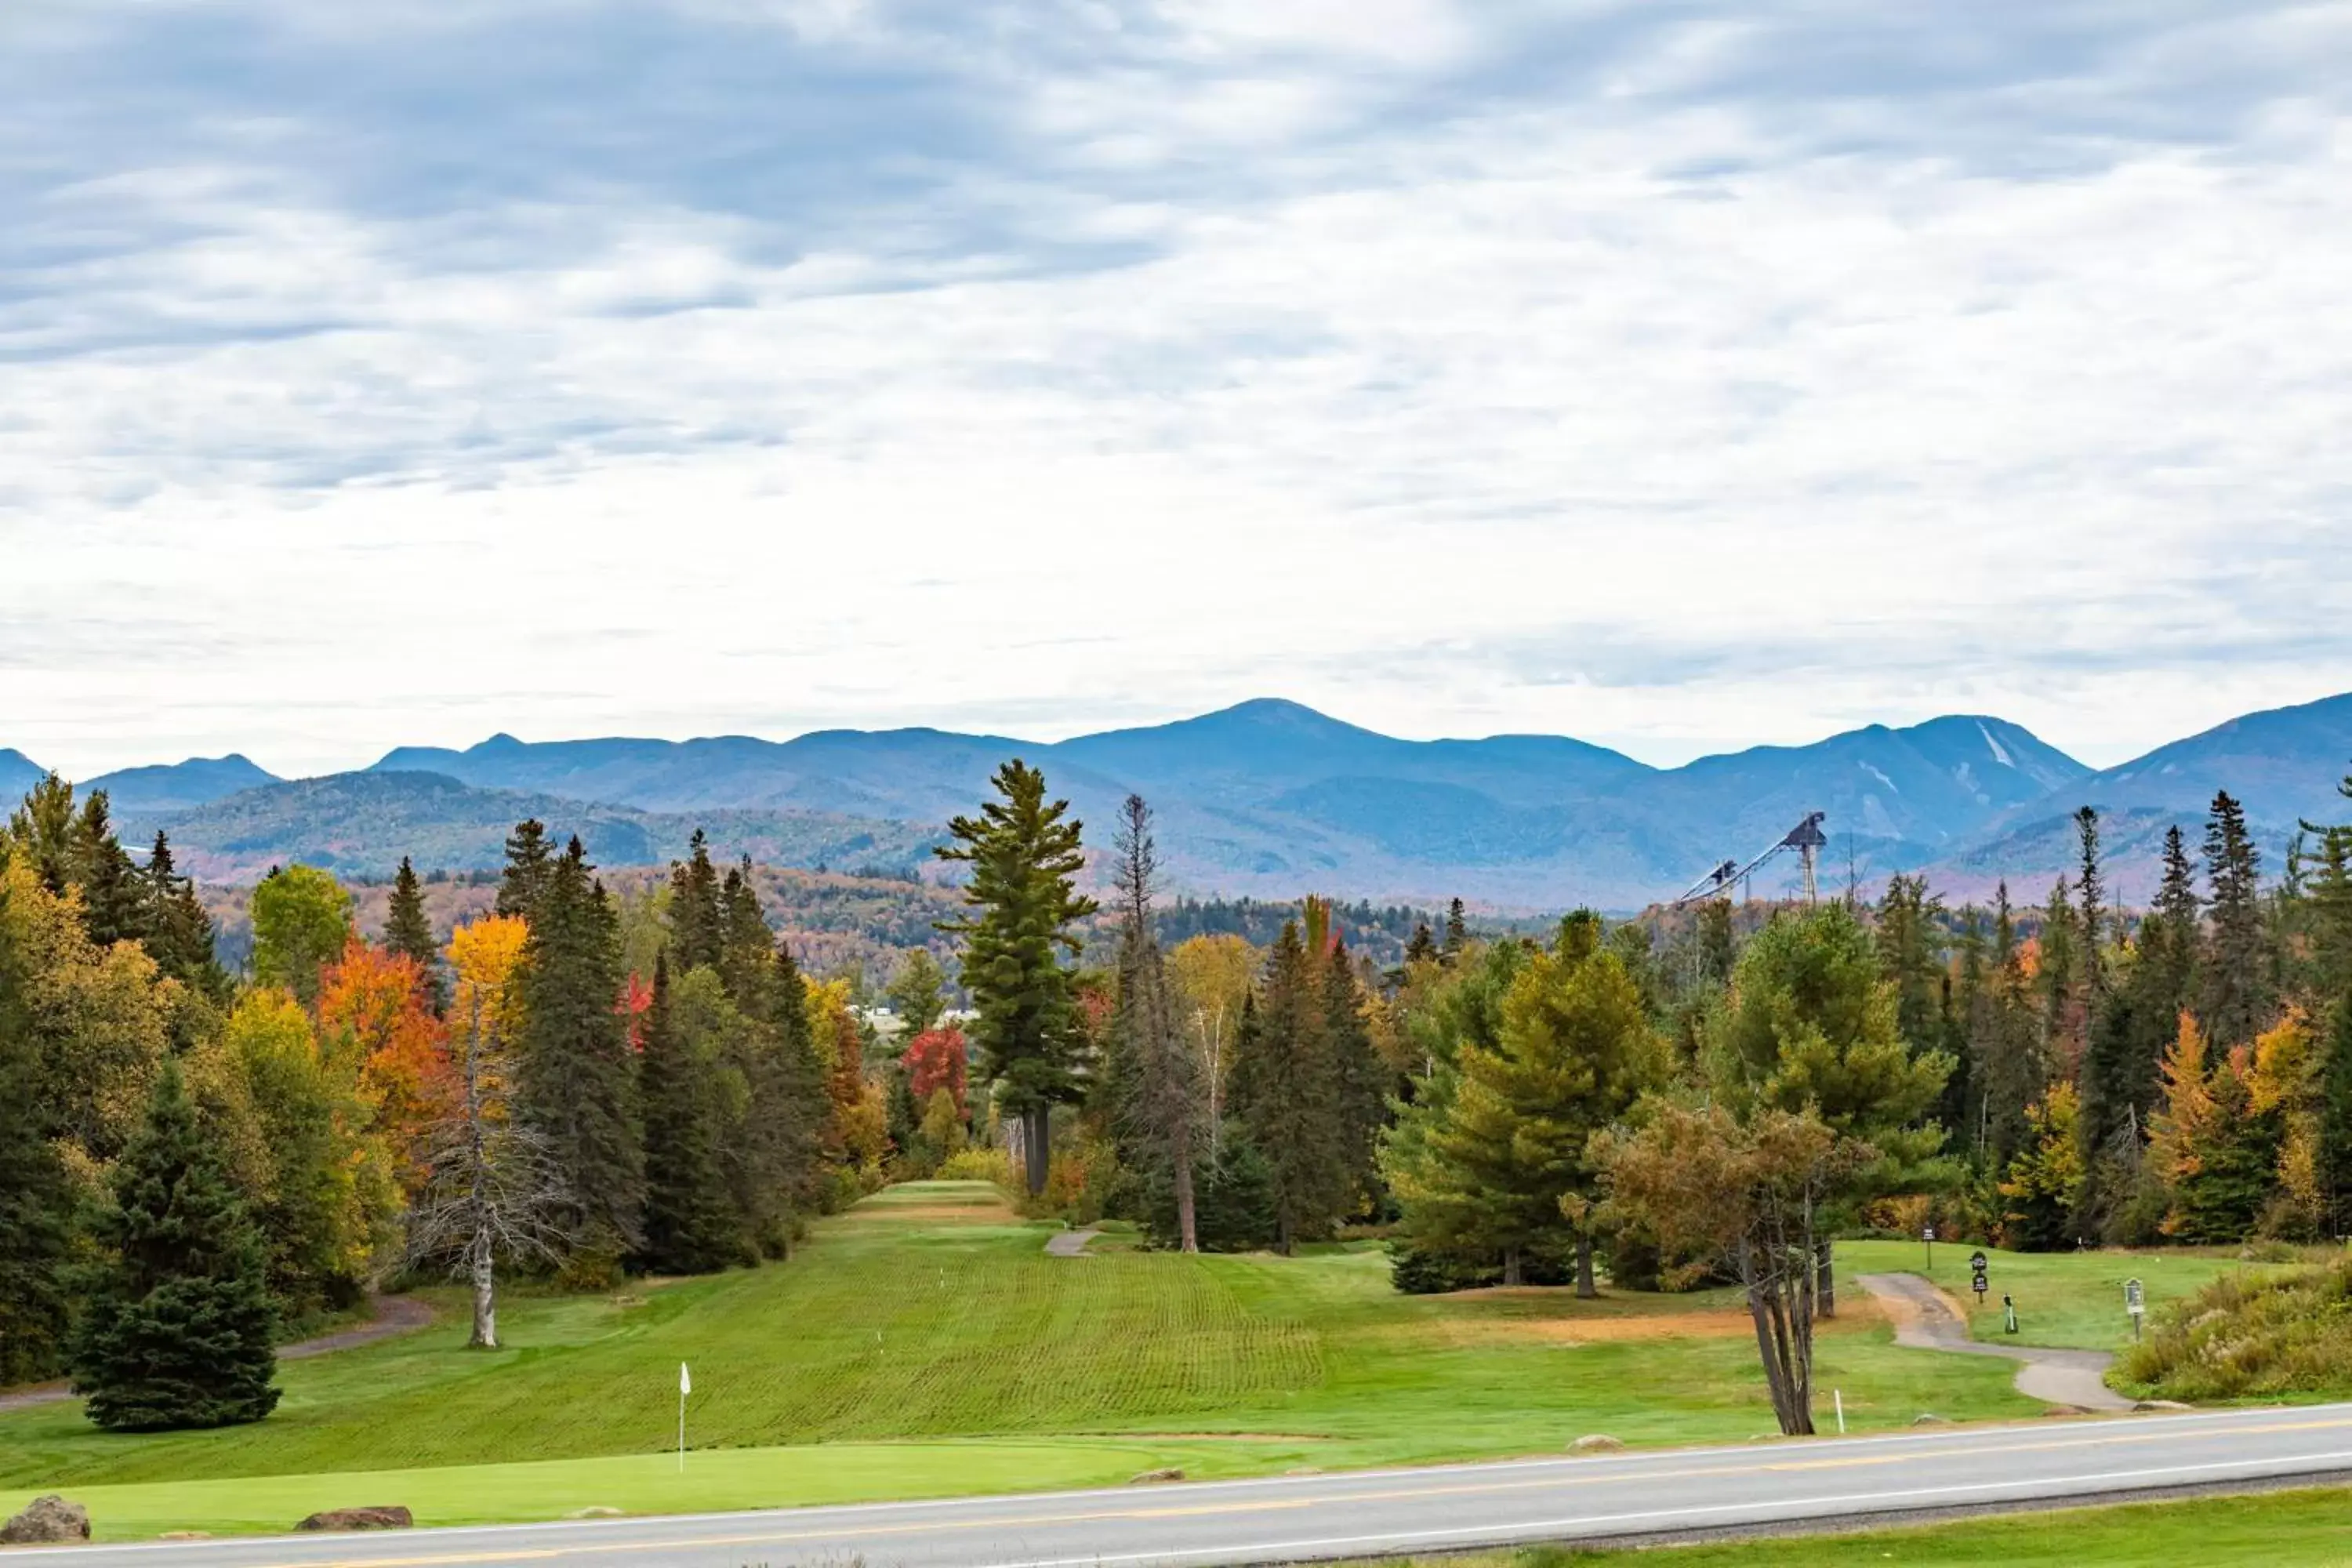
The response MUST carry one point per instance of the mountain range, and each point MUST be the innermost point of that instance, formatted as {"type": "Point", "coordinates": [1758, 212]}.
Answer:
{"type": "Point", "coordinates": [1270, 797]}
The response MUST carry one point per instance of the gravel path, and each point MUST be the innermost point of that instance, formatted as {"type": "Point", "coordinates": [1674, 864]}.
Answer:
{"type": "Point", "coordinates": [1925, 1320]}
{"type": "Point", "coordinates": [394, 1315]}
{"type": "Point", "coordinates": [1070, 1243]}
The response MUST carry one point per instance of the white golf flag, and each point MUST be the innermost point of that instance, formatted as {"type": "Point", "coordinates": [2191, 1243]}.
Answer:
{"type": "Point", "coordinates": [685, 1383]}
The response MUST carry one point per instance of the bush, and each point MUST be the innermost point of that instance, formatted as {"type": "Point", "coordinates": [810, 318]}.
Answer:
{"type": "Point", "coordinates": [981, 1166]}
{"type": "Point", "coordinates": [2252, 1335]}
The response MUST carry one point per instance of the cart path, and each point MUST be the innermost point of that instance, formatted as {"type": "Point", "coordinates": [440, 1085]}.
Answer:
{"type": "Point", "coordinates": [394, 1315]}
{"type": "Point", "coordinates": [1070, 1243]}
{"type": "Point", "coordinates": [1927, 1319]}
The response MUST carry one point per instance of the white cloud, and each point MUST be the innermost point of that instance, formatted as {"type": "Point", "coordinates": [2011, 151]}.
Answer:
{"type": "Point", "coordinates": [1733, 376]}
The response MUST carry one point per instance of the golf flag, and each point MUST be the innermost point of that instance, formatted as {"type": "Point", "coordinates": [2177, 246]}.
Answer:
{"type": "Point", "coordinates": [685, 1382]}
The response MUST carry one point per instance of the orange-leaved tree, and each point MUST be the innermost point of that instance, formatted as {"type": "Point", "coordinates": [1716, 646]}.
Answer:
{"type": "Point", "coordinates": [373, 1021]}
{"type": "Point", "coordinates": [938, 1059]}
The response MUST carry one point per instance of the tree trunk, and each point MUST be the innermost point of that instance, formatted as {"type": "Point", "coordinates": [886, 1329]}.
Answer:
{"type": "Point", "coordinates": [1282, 1229]}
{"type": "Point", "coordinates": [1826, 1280]}
{"type": "Point", "coordinates": [485, 1302]}
{"type": "Point", "coordinates": [1585, 1288]}
{"type": "Point", "coordinates": [1181, 1148]}
{"type": "Point", "coordinates": [1037, 1126]}
{"type": "Point", "coordinates": [1511, 1273]}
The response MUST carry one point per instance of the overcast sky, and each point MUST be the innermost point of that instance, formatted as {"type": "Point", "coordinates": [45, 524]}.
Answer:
{"type": "Point", "coordinates": [1674, 374]}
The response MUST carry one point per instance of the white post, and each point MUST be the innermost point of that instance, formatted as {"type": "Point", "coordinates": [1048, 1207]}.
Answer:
{"type": "Point", "coordinates": [1839, 1395]}
{"type": "Point", "coordinates": [685, 1387]}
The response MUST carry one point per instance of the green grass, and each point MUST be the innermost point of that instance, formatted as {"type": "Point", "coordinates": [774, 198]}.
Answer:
{"type": "Point", "coordinates": [2072, 1299]}
{"type": "Point", "coordinates": [930, 1313]}
{"type": "Point", "coordinates": [2278, 1529]}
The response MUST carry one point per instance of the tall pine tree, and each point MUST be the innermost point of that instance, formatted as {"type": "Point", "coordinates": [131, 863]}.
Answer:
{"type": "Point", "coordinates": [2236, 1001]}
{"type": "Point", "coordinates": [407, 932]}
{"type": "Point", "coordinates": [692, 1223]}
{"type": "Point", "coordinates": [529, 862]}
{"type": "Point", "coordinates": [577, 1083]}
{"type": "Point", "coordinates": [177, 1324]}
{"type": "Point", "coordinates": [1025, 861]}
{"type": "Point", "coordinates": [695, 916]}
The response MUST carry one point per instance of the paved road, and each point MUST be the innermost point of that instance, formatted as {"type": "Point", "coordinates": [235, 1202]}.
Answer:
{"type": "Point", "coordinates": [1368, 1513]}
{"type": "Point", "coordinates": [1926, 1320]}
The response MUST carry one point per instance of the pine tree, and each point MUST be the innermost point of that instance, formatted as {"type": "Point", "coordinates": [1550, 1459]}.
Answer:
{"type": "Point", "coordinates": [179, 933]}
{"type": "Point", "coordinates": [2336, 1118]}
{"type": "Point", "coordinates": [577, 1083]}
{"type": "Point", "coordinates": [529, 861]}
{"type": "Point", "coordinates": [177, 1323]}
{"type": "Point", "coordinates": [1457, 930]}
{"type": "Point", "coordinates": [35, 1201]}
{"type": "Point", "coordinates": [745, 955]}
{"type": "Point", "coordinates": [1422, 947]}
{"type": "Point", "coordinates": [789, 1101]}
{"type": "Point", "coordinates": [2009, 1065]}
{"type": "Point", "coordinates": [691, 1225]}
{"type": "Point", "coordinates": [407, 932]}
{"type": "Point", "coordinates": [42, 829]}
{"type": "Point", "coordinates": [1286, 1094]}
{"type": "Point", "coordinates": [113, 897]}
{"type": "Point", "coordinates": [1025, 861]}
{"type": "Point", "coordinates": [2236, 1003]}
{"type": "Point", "coordinates": [694, 918]}
{"type": "Point", "coordinates": [1161, 1098]}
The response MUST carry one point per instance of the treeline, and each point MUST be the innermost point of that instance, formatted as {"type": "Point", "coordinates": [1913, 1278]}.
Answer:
{"type": "Point", "coordinates": [193, 1165]}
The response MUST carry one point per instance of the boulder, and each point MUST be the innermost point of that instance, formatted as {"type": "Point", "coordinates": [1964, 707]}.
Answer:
{"type": "Point", "coordinates": [185, 1535]}
{"type": "Point", "coordinates": [1152, 1478]}
{"type": "Point", "coordinates": [2147, 1406]}
{"type": "Point", "coordinates": [46, 1521]}
{"type": "Point", "coordinates": [2065, 1410]}
{"type": "Point", "coordinates": [1931, 1419]}
{"type": "Point", "coordinates": [393, 1517]}
{"type": "Point", "coordinates": [595, 1512]}
{"type": "Point", "coordinates": [1598, 1443]}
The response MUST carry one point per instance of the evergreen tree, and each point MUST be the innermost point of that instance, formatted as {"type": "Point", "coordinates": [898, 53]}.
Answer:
{"type": "Point", "coordinates": [577, 1084]}
{"type": "Point", "coordinates": [2336, 1118]}
{"type": "Point", "coordinates": [529, 862]}
{"type": "Point", "coordinates": [2179, 911]}
{"type": "Point", "coordinates": [2236, 1003]}
{"type": "Point", "coordinates": [744, 955]}
{"type": "Point", "coordinates": [179, 933]}
{"type": "Point", "coordinates": [1910, 956]}
{"type": "Point", "coordinates": [789, 1100]}
{"type": "Point", "coordinates": [915, 994]}
{"type": "Point", "coordinates": [113, 896]}
{"type": "Point", "coordinates": [1161, 1098]}
{"type": "Point", "coordinates": [177, 1324]}
{"type": "Point", "coordinates": [42, 829]}
{"type": "Point", "coordinates": [2010, 1066]}
{"type": "Point", "coordinates": [692, 1224]}
{"type": "Point", "coordinates": [1423, 946]}
{"type": "Point", "coordinates": [1285, 1093]}
{"type": "Point", "coordinates": [1025, 861]}
{"type": "Point", "coordinates": [407, 932]}
{"type": "Point", "coordinates": [696, 919]}
{"type": "Point", "coordinates": [35, 1202]}
{"type": "Point", "coordinates": [1499, 1166]}
{"type": "Point", "coordinates": [1719, 944]}
{"type": "Point", "coordinates": [1457, 930]}
{"type": "Point", "coordinates": [2058, 979]}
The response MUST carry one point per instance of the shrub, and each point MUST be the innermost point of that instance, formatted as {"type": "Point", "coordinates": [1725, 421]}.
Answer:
{"type": "Point", "coordinates": [2252, 1335]}
{"type": "Point", "coordinates": [981, 1166]}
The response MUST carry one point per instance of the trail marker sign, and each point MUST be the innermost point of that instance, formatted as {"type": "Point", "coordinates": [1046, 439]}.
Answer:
{"type": "Point", "coordinates": [2135, 1303]}
{"type": "Point", "coordinates": [1977, 1280]}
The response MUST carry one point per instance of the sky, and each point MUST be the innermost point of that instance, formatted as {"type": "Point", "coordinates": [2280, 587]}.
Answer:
{"type": "Point", "coordinates": [1679, 374]}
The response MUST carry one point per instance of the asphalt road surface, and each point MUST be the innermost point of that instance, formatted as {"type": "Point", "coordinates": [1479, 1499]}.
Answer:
{"type": "Point", "coordinates": [1366, 1514]}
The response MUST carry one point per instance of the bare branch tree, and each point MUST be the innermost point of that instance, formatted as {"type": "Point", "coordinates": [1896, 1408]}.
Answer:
{"type": "Point", "coordinates": [493, 1189]}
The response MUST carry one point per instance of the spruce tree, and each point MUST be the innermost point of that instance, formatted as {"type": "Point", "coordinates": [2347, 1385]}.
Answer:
{"type": "Point", "coordinates": [1422, 947]}
{"type": "Point", "coordinates": [407, 932]}
{"type": "Point", "coordinates": [42, 829]}
{"type": "Point", "coordinates": [177, 1322]}
{"type": "Point", "coordinates": [744, 955]}
{"type": "Point", "coordinates": [789, 1100]}
{"type": "Point", "coordinates": [1161, 1097]}
{"type": "Point", "coordinates": [1286, 1094]}
{"type": "Point", "coordinates": [2336, 1118]}
{"type": "Point", "coordinates": [692, 1224]}
{"type": "Point", "coordinates": [179, 933]}
{"type": "Point", "coordinates": [1457, 930]}
{"type": "Point", "coordinates": [529, 861]}
{"type": "Point", "coordinates": [694, 918]}
{"type": "Point", "coordinates": [2235, 1004]}
{"type": "Point", "coordinates": [113, 897]}
{"type": "Point", "coordinates": [36, 1205]}
{"type": "Point", "coordinates": [1024, 860]}
{"type": "Point", "coordinates": [577, 1082]}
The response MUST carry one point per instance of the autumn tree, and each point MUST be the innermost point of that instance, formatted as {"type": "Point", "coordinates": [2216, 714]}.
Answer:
{"type": "Point", "coordinates": [1024, 860]}
{"type": "Point", "coordinates": [936, 1062]}
{"type": "Point", "coordinates": [374, 1018]}
{"type": "Point", "coordinates": [2042, 1183]}
{"type": "Point", "coordinates": [492, 1188]}
{"type": "Point", "coordinates": [1750, 1192]}
{"type": "Point", "coordinates": [1211, 978]}
{"type": "Point", "coordinates": [35, 1199]}
{"type": "Point", "coordinates": [301, 919]}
